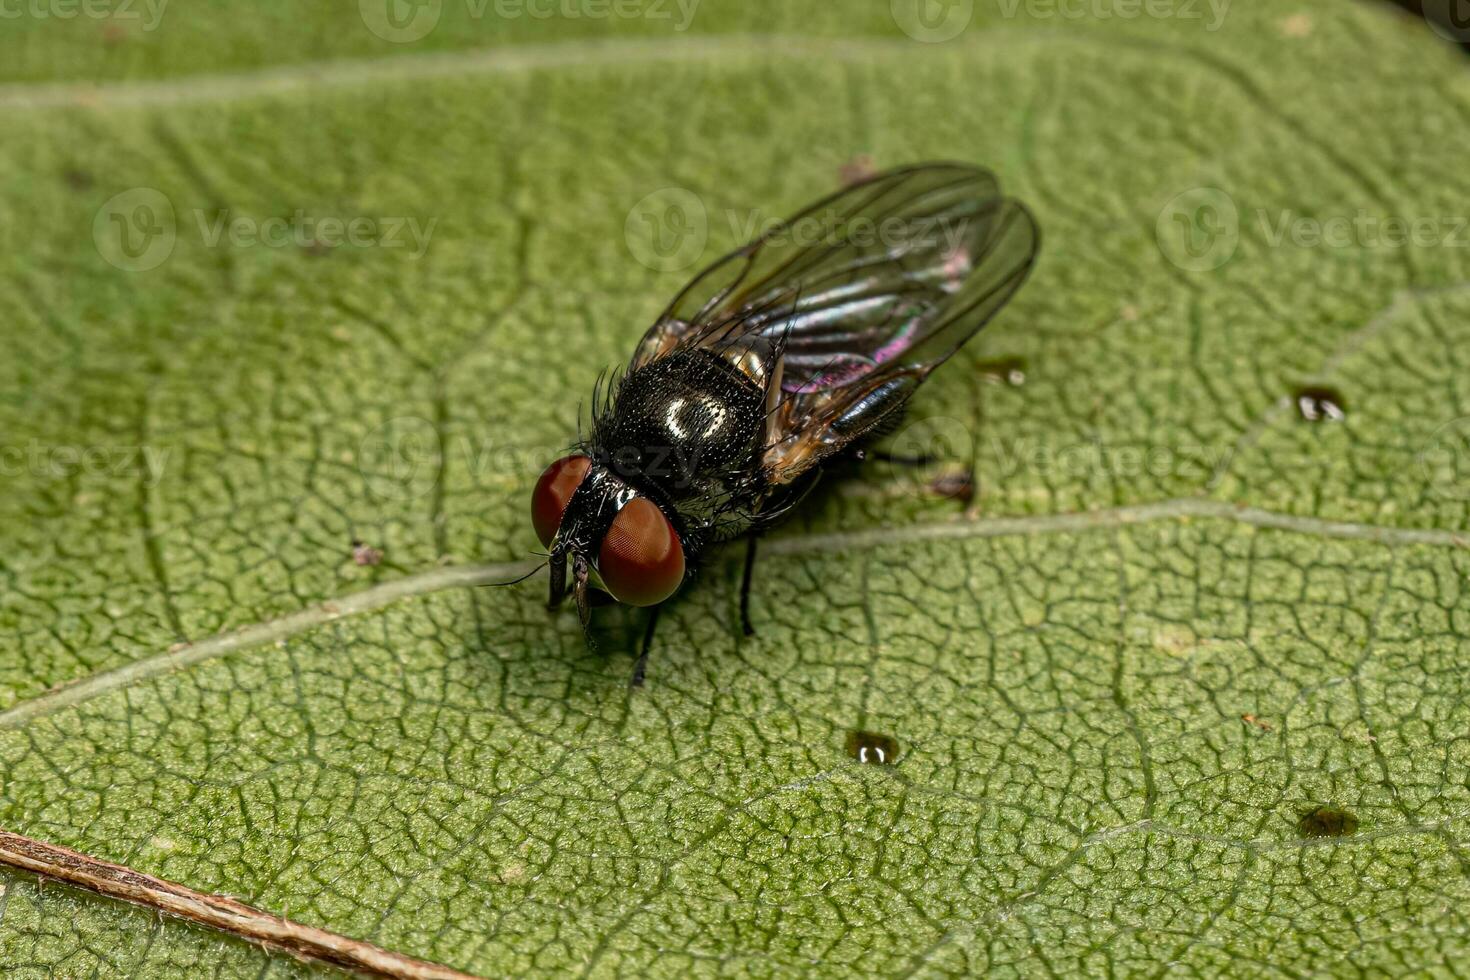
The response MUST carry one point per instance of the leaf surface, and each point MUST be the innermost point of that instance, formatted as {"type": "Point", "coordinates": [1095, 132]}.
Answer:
{"type": "Point", "coordinates": [1176, 617]}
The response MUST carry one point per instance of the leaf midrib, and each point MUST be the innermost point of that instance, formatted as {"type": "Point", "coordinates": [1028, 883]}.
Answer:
{"type": "Point", "coordinates": [377, 72]}
{"type": "Point", "coordinates": [469, 575]}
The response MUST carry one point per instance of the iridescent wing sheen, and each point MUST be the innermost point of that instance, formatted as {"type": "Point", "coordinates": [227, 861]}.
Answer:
{"type": "Point", "coordinates": [860, 296]}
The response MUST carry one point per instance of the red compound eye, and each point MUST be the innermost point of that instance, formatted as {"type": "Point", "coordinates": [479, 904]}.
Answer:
{"type": "Point", "coordinates": [641, 561]}
{"type": "Point", "coordinates": [553, 491]}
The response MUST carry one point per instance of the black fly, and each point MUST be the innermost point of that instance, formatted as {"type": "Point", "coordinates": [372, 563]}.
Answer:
{"type": "Point", "coordinates": [781, 357]}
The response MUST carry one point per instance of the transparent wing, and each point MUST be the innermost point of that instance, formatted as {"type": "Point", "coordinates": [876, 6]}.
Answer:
{"type": "Point", "coordinates": [862, 294]}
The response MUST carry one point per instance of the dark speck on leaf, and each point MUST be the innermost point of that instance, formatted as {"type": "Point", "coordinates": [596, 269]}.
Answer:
{"type": "Point", "coordinates": [316, 248]}
{"type": "Point", "coordinates": [958, 485]}
{"type": "Point", "coordinates": [1327, 821]}
{"type": "Point", "coordinates": [364, 555]}
{"type": "Point", "coordinates": [1315, 404]}
{"type": "Point", "coordinates": [77, 180]}
{"type": "Point", "coordinates": [1009, 371]}
{"type": "Point", "coordinates": [872, 748]}
{"type": "Point", "coordinates": [858, 168]}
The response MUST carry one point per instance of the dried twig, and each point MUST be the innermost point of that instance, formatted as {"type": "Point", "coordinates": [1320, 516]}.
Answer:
{"type": "Point", "coordinates": [216, 911]}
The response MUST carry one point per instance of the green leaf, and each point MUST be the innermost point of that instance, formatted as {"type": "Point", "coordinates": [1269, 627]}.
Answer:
{"type": "Point", "coordinates": [1179, 638]}
{"type": "Point", "coordinates": [53, 931]}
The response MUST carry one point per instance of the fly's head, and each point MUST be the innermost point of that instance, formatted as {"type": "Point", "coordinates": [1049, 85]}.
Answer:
{"type": "Point", "coordinates": [614, 538]}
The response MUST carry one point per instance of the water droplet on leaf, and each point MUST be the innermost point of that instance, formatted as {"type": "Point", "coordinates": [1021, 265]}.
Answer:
{"type": "Point", "coordinates": [1009, 371]}
{"type": "Point", "coordinates": [871, 748]}
{"type": "Point", "coordinates": [1316, 404]}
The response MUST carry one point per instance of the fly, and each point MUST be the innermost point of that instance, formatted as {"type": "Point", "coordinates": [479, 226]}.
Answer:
{"type": "Point", "coordinates": [786, 355]}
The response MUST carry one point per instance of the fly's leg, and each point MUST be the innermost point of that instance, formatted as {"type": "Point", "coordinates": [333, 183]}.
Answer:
{"type": "Point", "coordinates": [558, 581]}
{"type": "Point", "coordinates": [642, 664]}
{"type": "Point", "coordinates": [954, 485]}
{"type": "Point", "coordinates": [884, 456]}
{"type": "Point", "coordinates": [886, 426]}
{"type": "Point", "coordinates": [745, 586]}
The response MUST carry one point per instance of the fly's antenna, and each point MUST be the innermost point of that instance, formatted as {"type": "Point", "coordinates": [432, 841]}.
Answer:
{"type": "Point", "coordinates": [514, 581]}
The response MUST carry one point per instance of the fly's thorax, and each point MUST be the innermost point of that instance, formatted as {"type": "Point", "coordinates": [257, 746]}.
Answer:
{"type": "Point", "coordinates": [681, 423]}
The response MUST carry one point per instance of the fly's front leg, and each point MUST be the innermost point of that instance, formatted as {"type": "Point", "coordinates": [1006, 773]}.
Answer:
{"type": "Point", "coordinates": [642, 664]}
{"type": "Point", "coordinates": [884, 456]}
